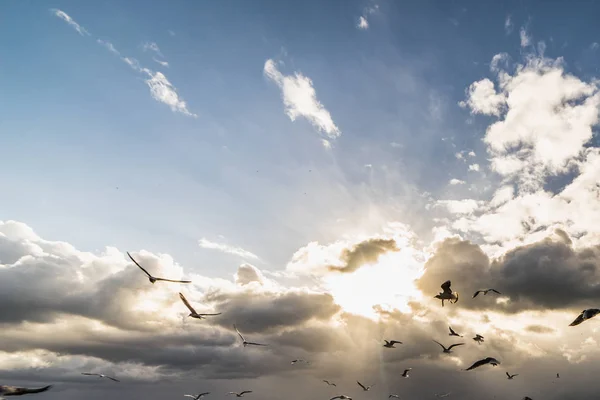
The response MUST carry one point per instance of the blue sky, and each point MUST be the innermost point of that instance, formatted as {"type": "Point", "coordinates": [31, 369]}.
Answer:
{"type": "Point", "coordinates": [317, 169]}
{"type": "Point", "coordinates": [78, 123]}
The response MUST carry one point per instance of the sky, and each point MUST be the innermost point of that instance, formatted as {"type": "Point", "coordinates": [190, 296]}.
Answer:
{"type": "Point", "coordinates": [317, 170]}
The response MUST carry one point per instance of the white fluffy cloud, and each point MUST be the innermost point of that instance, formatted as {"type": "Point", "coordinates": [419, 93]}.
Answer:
{"type": "Point", "coordinates": [300, 99]}
{"type": "Point", "coordinates": [362, 23]}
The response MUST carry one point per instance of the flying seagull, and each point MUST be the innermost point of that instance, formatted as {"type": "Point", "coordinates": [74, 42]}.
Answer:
{"type": "Point", "coordinates": [153, 279]}
{"type": "Point", "coordinates": [193, 312]}
{"type": "Point", "coordinates": [453, 333]}
{"type": "Point", "coordinates": [557, 375]}
{"type": "Point", "coordinates": [19, 391]}
{"type": "Point", "coordinates": [585, 315]}
{"type": "Point", "coordinates": [393, 395]}
{"type": "Point", "coordinates": [488, 360]}
{"type": "Point", "coordinates": [448, 349]}
{"type": "Point", "coordinates": [329, 383]}
{"type": "Point", "coordinates": [244, 342]}
{"type": "Point", "coordinates": [405, 373]}
{"type": "Point", "coordinates": [443, 395]}
{"type": "Point", "coordinates": [485, 291]}
{"type": "Point", "coordinates": [299, 360]}
{"type": "Point", "coordinates": [478, 338]}
{"type": "Point", "coordinates": [511, 376]}
{"type": "Point", "coordinates": [241, 394]}
{"type": "Point", "coordinates": [390, 344]}
{"type": "Point", "coordinates": [100, 375]}
{"type": "Point", "coordinates": [447, 294]}
{"type": "Point", "coordinates": [196, 397]}
{"type": "Point", "coordinates": [527, 398]}
{"type": "Point", "coordinates": [365, 388]}
{"type": "Point", "coordinates": [341, 396]}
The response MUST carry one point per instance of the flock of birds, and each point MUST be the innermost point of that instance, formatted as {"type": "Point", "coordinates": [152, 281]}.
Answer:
{"type": "Point", "coordinates": [446, 295]}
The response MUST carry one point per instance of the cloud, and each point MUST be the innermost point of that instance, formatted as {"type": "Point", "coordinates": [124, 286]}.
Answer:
{"type": "Point", "coordinates": [525, 38]}
{"type": "Point", "coordinates": [151, 46]}
{"type": "Point", "coordinates": [474, 167]}
{"type": "Point", "coordinates": [163, 63]}
{"type": "Point", "coordinates": [247, 274]}
{"type": "Point", "coordinates": [362, 23]}
{"type": "Point", "coordinates": [508, 25]}
{"type": "Point", "coordinates": [65, 17]}
{"type": "Point", "coordinates": [225, 248]}
{"type": "Point", "coordinates": [483, 99]}
{"type": "Point", "coordinates": [465, 206]}
{"type": "Point", "coordinates": [163, 91]}
{"type": "Point", "coordinates": [455, 181]}
{"type": "Point", "coordinates": [549, 274]}
{"type": "Point", "coordinates": [363, 253]}
{"type": "Point", "coordinates": [109, 46]}
{"type": "Point", "coordinates": [300, 99]}
{"type": "Point", "coordinates": [539, 329]}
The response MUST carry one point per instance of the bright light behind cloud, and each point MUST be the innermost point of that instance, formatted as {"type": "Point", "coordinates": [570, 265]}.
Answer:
{"type": "Point", "coordinates": [389, 283]}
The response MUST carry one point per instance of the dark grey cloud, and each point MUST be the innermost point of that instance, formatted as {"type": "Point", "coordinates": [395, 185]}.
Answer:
{"type": "Point", "coordinates": [548, 274]}
{"type": "Point", "coordinates": [365, 252]}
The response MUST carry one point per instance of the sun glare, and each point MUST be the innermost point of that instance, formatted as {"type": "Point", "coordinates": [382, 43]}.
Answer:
{"type": "Point", "coordinates": [389, 283]}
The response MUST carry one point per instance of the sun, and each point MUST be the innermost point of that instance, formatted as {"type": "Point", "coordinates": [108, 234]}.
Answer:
{"type": "Point", "coordinates": [389, 283]}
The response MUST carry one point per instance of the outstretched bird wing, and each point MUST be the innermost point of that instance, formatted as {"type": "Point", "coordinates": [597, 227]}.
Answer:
{"type": "Point", "coordinates": [256, 344]}
{"type": "Point", "coordinates": [478, 364]}
{"type": "Point", "coordinates": [205, 315]}
{"type": "Point", "coordinates": [394, 341]}
{"type": "Point", "coordinates": [495, 291]}
{"type": "Point", "coordinates": [443, 347]}
{"type": "Point", "coordinates": [361, 385]}
{"type": "Point", "coordinates": [246, 391]}
{"type": "Point", "coordinates": [452, 331]}
{"type": "Point", "coordinates": [454, 345]}
{"type": "Point", "coordinates": [580, 318]}
{"type": "Point", "coordinates": [171, 280]}
{"type": "Point", "coordinates": [142, 268]}
{"type": "Point", "coordinates": [113, 379]}
{"type": "Point", "coordinates": [477, 293]}
{"type": "Point", "coordinates": [239, 334]}
{"type": "Point", "coordinates": [187, 304]}
{"type": "Point", "coordinates": [18, 391]}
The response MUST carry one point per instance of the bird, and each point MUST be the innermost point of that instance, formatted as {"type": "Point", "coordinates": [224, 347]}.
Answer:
{"type": "Point", "coordinates": [193, 312]}
{"type": "Point", "coordinates": [485, 291]}
{"type": "Point", "coordinates": [511, 376]}
{"type": "Point", "coordinates": [196, 397]}
{"type": "Point", "coordinates": [365, 388]}
{"type": "Point", "coordinates": [447, 294]}
{"type": "Point", "coordinates": [443, 395]}
{"type": "Point", "coordinates": [448, 349]}
{"type": "Point", "coordinates": [341, 396]}
{"type": "Point", "coordinates": [329, 383]}
{"type": "Point", "coordinates": [488, 360]}
{"type": "Point", "coordinates": [393, 395]}
{"type": "Point", "coordinates": [19, 391]}
{"type": "Point", "coordinates": [478, 338]}
{"type": "Point", "coordinates": [390, 344]}
{"type": "Point", "coordinates": [241, 394]}
{"type": "Point", "coordinates": [405, 373]}
{"type": "Point", "coordinates": [585, 315]}
{"type": "Point", "coordinates": [557, 375]}
{"type": "Point", "coordinates": [453, 333]}
{"type": "Point", "coordinates": [151, 278]}
{"type": "Point", "coordinates": [100, 376]}
{"type": "Point", "coordinates": [527, 398]}
{"type": "Point", "coordinates": [246, 343]}
{"type": "Point", "coordinates": [299, 360]}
